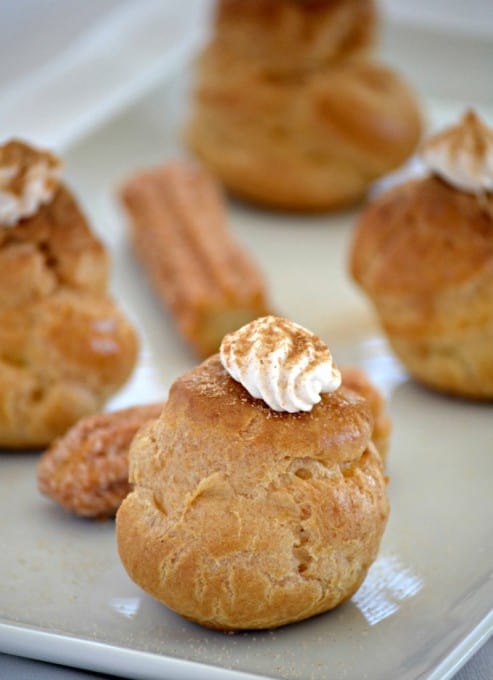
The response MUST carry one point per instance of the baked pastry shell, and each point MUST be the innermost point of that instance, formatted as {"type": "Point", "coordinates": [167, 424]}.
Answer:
{"type": "Point", "coordinates": [423, 252]}
{"type": "Point", "coordinates": [245, 518]}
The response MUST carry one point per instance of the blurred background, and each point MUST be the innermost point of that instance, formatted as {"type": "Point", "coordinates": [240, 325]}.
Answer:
{"type": "Point", "coordinates": [67, 65]}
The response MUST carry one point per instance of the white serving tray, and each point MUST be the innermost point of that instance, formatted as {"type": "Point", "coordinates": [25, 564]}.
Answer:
{"type": "Point", "coordinates": [426, 604]}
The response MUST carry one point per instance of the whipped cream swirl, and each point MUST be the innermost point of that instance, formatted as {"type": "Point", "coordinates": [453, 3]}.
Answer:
{"type": "Point", "coordinates": [28, 179]}
{"type": "Point", "coordinates": [280, 362]}
{"type": "Point", "coordinates": [463, 155]}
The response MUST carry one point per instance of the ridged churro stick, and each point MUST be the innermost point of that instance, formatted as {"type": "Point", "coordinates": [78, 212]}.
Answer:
{"type": "Point", "coordinates": [180, 232]}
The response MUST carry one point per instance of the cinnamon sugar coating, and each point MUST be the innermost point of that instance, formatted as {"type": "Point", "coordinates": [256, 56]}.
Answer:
{"type": "Point", "coordinates": [86, 471]}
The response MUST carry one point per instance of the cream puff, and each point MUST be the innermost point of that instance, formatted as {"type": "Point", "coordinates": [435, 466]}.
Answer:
{"type": "Point", "coordinates": [65, 347]}
{"type": "Point", "coordinates": [423, 252]}
{"type": "Point", "coordinates": [259, 498]}
{"type": "Point", "coordinates": [291, 110]}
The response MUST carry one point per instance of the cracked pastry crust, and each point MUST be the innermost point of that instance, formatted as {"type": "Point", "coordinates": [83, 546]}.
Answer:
{"type": "Point", "coordinates": [86, 470]}
{"type": "Point", "coordinates": [179, 229]}
{"type": "Point", "coordinates": [64, 345]}
{"type": "Point", "coordinates": [289, 108]}
{"type": "Point", "coordinates": [244, 518]}
{"type": "Point", "coordinates": [423, 252]}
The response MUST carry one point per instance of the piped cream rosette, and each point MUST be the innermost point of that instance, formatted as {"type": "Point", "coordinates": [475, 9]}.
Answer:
{"type": "Point", "coordinates": [280, 362]}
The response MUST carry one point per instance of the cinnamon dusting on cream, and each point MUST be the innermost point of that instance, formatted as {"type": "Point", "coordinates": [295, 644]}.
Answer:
{"type": "Point", "coordinates": [462, 155]}
{"type": "Point", "coordinates": [280, 362]}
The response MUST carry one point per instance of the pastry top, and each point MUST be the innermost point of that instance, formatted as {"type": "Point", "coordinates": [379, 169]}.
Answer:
{"type": "Point", "coordinates": [208, 400]}
{"type": "Point", "coordinates": [421, 237]}
{"type": "Point", "coordinates": [286, 37]}
{"type": "Point", "coordinates": [57, 319]}
{"type": "Point", "coordinates": [45, 240]}
{"type": "Point", "coordinates": [52, 248]}
{"type": "Point", "coordinates": [86, 470]}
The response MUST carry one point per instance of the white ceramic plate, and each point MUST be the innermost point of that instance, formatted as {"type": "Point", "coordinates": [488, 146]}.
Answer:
{"type": "Point", "coordinates": [426, 604]}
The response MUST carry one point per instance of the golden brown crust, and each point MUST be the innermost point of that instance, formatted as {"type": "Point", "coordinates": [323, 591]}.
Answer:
{"type": "Point", "coordinates": [423, 252]}
{"type": "Point", "coordinates": [440, 230]}
{"type": "Point", "coordinates": [242, 517]}
{"type": "Point", "coordinates": [308, 145]}
{"type": "Point", "coordinates": [302, 135]}
{"type": "Point", "coordinates": [207, 395]}
{"type": "Point", "coordinates": [55, 243]}
{"type": "Point", "coordinates": [64, 346]}
{"type": "Point", "coordinates": [204, 276]}
{"type": "Point", "coordinates": [86, 471]}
